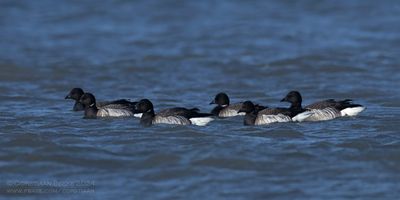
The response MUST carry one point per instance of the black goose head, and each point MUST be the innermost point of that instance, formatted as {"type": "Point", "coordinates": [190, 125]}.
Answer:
{"type": "Point", "coordinates": [88, 100]}
{"type": "Point", "coordinates": [221, 99]}
{"type": "Point", "coordinates": [247, 107]}
{"type": "Point", "coordinates": [294, 98]}
{"type": "Point", "coordinates": [144, 106]}
{"type": "Point", "coordinates": [75, 94]}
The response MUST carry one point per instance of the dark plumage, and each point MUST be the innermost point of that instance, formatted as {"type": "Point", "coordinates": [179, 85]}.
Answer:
{"type": "Point", "coordinates": [295, 100]}
{"type": "Point", "coordinates": [225, 109]}
{"type": "Point", "coordinates": [119, 108]}
{"type": "Point", "coordinates": [251, 113]}
{"type": "Point", "coordinates": [76, 94]}
{"type": "Point", "coordinates": [339, 105]}
{"type": "Point", "coordinates": [265, 116]}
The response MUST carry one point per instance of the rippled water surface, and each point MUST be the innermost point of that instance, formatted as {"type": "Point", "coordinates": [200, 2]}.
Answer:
{"type": "Point", "coordinates": [181, 53]}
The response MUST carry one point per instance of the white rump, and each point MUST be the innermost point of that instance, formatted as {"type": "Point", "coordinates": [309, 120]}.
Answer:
{"type": "Point", "coordinates": [302, 116]}
{"type": "Point", "coordinates": [138, 115]}
{"type": "Point", "coordinates": [201, 121]}
{"type": "Point", "coordinates": [352, 111]}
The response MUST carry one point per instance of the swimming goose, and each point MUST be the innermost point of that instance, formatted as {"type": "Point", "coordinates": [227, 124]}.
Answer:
{"type": "Point", "coordinates": [327, 109]}
{"type": "Point", "coordinates": [76, 94]}
{"type": "Point", "coordinates": [225, 109]}
{"type": "Point", "coordinates": [119, 108]}
{"type": "Point", "coordinates": [177, 115]}
{"type": "Point", "coordinates": [271, 115]}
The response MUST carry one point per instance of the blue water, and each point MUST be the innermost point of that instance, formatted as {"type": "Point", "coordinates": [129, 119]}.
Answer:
{"type": "Point", "coordinates": [181, 53]}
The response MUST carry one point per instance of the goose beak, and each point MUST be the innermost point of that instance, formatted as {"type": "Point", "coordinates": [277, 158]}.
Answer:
{"type": "Point", "coordinates": [68, 97]}
{"type": "Point", "coordinates": [284, 99]}
{"type": "Point", "coordinates": [212, 102]}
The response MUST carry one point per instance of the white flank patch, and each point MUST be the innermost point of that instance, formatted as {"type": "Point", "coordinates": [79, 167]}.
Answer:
{"type": "Point", "coordinates": [242, 114]}
{"type": "Point", "coordinates": [171, 120]}
{"type": "Point", "coordinates": [302, 116]}
{"type": "Point", "coordinates": [201, 121]}
{"type": "Point", "coordinates": [323, 114]}
{"type": "Point", "coordinates": [352, 111]}
{"type": "Point", "coordinates": [229, 113]}
{"type": "Point", "coordinates": [268, 119]}
{"type": "Point", "coordinates": [109, 112]}
{"type": "Point", "coordinates": [138, 115]}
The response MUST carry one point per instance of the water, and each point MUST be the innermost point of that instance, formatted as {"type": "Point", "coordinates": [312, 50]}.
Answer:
{"type": "Point", "coordinates": [181, 53]}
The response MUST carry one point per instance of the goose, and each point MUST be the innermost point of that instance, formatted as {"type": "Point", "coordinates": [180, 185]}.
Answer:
{"type": "Point", "coordinates": [271, 115]}
{"type": "Point", "coordinates": [224, 109]}
{"type": "Point", "coordinates": [119, 108]}
{"type": "Point", "coordinates": [326, 109]}
{"type": "Point", "coordinates": [177, 115]}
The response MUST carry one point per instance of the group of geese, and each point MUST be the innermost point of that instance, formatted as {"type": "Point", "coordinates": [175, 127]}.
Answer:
{"type": "Point", "coordinates": [254, 114]}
